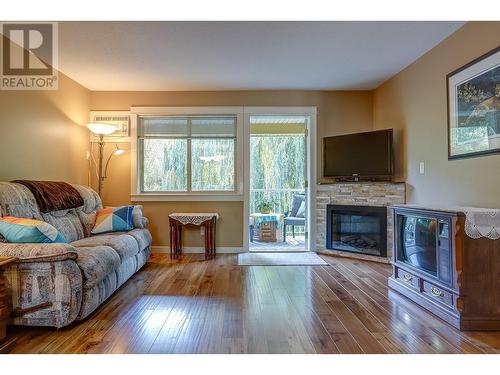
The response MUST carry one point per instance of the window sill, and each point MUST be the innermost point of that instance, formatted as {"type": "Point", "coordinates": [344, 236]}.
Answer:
{"type": "Point", "coordinates": [166, 197]}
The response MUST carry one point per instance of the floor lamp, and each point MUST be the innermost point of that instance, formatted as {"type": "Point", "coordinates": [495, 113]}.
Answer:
{"type": "Point", "coordinates": [101, 130]}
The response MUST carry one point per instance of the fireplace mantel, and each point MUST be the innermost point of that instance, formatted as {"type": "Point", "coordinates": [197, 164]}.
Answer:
{"type": "Point", "coordinates": [357, 194]}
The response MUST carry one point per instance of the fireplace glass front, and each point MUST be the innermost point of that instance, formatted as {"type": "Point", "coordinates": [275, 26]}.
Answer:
{"type": "Point", "coordinates": [357, 229]}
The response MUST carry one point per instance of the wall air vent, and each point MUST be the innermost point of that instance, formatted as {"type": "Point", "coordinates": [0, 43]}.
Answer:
{"type": "Point", "coordinates": [121, 120]}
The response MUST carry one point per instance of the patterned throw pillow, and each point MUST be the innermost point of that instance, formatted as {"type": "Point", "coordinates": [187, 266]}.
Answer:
{"type": "Point", "coordinates": [137, 218]}
{"type": "Point", "coordinates": [113, 219]}
{"type": "Point", "coordinates": [20, 230]}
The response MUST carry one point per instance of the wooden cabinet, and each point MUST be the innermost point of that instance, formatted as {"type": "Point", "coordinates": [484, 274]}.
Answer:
{"type": "Point", "coordinates": [439, 267]}
{"type": "Point", "coordinates": [267, 227]}
{"type": "Point", "coordinates": [5, 343]}
{"type": "Point", "coordinates": [268, 233]}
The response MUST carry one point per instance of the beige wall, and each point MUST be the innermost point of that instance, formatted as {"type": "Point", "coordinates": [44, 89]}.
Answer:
{"type": "Point", "coordinates": [338, 112]}
{"type": "Point", "coordinates": [414, 103]}
{"type": "Point", "coordinates": [43, 134]}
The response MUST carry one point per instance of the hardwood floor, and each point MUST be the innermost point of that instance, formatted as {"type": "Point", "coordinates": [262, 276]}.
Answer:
{"type": "Point", "coordinates": [197, 306]}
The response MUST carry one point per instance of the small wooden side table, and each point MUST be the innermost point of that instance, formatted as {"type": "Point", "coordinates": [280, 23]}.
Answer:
{"type": "Point", "coordinates": [269, 226]}
{"type": "Point", "coordinates": [5, 344]}
{"type": "Point", "coordinates": [178, 220]}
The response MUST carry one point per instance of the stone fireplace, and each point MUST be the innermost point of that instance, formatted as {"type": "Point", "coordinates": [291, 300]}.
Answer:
{"type": "Point", "coordinates": [349, 219]}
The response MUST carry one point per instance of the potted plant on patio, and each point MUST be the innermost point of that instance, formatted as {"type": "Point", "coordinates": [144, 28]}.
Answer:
{"type": "Point", "coordinates": [265, 206]}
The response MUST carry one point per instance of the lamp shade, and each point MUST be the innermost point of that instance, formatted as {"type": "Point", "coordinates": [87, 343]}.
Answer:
{"type": "Point", "coordinates": [118, 151]}
{"type": "Point", "coordinates": [101, 129]}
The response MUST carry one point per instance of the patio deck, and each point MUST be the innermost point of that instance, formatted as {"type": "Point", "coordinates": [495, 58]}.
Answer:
{"type": "Point", "coordinates": [291, 244]}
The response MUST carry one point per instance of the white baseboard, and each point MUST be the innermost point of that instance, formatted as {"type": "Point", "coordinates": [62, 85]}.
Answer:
{"type": "Point", "coordinates": [197, 250]}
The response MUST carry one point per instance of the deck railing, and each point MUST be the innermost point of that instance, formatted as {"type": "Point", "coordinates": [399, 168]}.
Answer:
{"type": "Point", "coordinates": [281, 198]}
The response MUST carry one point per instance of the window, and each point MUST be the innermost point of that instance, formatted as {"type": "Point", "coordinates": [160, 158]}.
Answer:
{"type": "Point", "coordinates": [187, 153]}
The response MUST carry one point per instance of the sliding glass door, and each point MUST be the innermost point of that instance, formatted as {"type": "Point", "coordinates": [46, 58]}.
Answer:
{"type": "Point", "coordinates": [277, 202]}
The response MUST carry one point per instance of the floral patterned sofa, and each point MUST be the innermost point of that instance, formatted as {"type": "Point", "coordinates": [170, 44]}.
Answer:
{"type": "Point", "coordinates": [57, 284]}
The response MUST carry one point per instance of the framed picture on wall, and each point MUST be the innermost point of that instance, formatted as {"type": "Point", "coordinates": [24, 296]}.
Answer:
{"type": "Point", "coordinates": [474, 107]}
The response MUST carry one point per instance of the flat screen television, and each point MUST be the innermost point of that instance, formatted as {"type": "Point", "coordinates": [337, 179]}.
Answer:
{"type": "Point", "coordinates": [359, 156]}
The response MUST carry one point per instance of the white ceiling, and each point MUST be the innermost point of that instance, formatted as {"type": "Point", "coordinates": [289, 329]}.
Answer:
{"type": "Point", "coordinates": [170, 56]}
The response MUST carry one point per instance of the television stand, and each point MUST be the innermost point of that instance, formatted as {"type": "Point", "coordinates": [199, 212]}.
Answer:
{"type": "Point", "coordinates": [460, 284]}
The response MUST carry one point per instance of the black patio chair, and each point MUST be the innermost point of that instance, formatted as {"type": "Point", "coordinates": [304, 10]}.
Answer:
{"type": "Point", "coordinates": [291, 217]}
